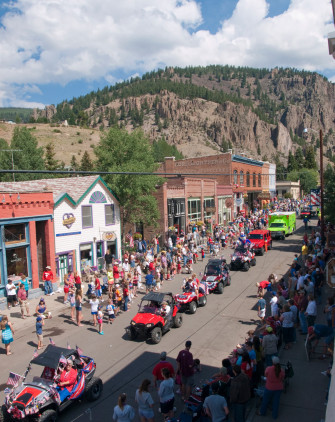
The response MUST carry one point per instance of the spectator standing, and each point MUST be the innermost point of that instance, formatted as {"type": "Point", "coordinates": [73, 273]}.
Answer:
{"type": "Point", "coordinates": [25, 282]}
{"type": "Point", "coordinates": [273, 387]}
{"type": "Point", "coordinates": [185, 367]}
{"type": "Point", "coordinates": [22, 296]}
{"type": "Point", "coordinates": [166, 394]}
{"type": "Point", "coordinates": [11, 294]}
{"type": "Point", "coordinates": [79, 299]}
{"type": "Point", "coordinates": [287, 320]}
{"type": "Point", "coordinates": [145, 402]}
{"type": "Point", "coordinates": [270, 346]}
{"type": "Point", "coordinates": [39, 332]}
{"type": "Point", "coordinates": [311, 311]}
{"type": "Point", "coordinates": [77, 280]}
{"type": "Point", "coordinates": [157, 371]}
{"type": "Point", "coordinates": [302, 306]}
{"type": "Point", "coordinates": [7, 333]}
{"type": "Point", "coordinates": [261, 308]}
{"type": "Point", "coordinates": [48, 278]}
{"type": "Point", "coordinates": [239, 394]}
{"type": "Point", "coordinates": [108, 259]}
{"type": "Point", "coordinates": [216, 406]}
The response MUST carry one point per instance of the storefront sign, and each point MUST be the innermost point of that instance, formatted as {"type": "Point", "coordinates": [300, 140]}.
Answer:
{"type": "Point", "coordinates": [110, 236]}
{"type": "Point", "coordinates": [229, 202]}
{"type": "Point", "coordinates": [68, 220]}
{"type": "Point", "coordinates": [210, 210]}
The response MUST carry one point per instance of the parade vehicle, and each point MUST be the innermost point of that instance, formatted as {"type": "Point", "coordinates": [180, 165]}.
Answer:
{"type": "Point", "coordinates": [306, 212]}
{"type": "Point", "coordinates": [189, 300]}
{"type": "Point", "coordinates": [151, 320]}
{"type": "Point", "coordinates": [260, 239]}
{"type": "Point", "coordinates": [282, 224]}
{"type": "Point", "coordinates": [243, 258]}
{"type": "Point", "coordinates": [216, 275]}
{"type": "Point", "coordinates": [34, 396]}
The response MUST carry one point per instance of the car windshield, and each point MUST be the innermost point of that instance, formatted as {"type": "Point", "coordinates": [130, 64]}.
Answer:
{"type": "Point", "coordinates": [40, 375]}
{"type": "Point", "coordinates": [256, 236]}
{"type": "Point", "coordinates": [212, 270]}
{"type": "Point", "coordinates": [149, 307]}
{"type": "Point", "coordinates": [277, 225]}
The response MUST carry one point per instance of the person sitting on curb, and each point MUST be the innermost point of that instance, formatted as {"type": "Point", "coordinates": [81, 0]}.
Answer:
{"type": "Point", "coordinates": [321, 331]}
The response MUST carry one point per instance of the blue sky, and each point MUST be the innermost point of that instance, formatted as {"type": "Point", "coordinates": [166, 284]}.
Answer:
{"type": "Point", "coordinates": [51, 51]}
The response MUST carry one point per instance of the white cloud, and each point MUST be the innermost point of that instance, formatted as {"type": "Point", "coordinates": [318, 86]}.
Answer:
{"type": "Point", "coordinates": [57, 41]}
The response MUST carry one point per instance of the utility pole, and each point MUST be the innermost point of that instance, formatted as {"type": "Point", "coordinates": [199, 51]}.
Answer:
{"type": "Point", "coordinates": [12, 150]}
{"type": "Point", "coordinates": [321, 189]}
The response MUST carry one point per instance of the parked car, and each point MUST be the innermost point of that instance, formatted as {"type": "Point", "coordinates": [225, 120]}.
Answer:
{"type": "Point", "coordinates": [243, 259]}
{"type": "Point", "coordinates": [258, 238]}
{"type": "Point", "coordinates": [216, 275]}
{"type": "Point", "coordinates": [36, 398]}
{"type": "Point", "coordinates": [151, 321]}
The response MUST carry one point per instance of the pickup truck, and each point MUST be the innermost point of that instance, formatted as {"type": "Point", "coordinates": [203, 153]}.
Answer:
{"type": "Point", "coordinates": [258, 238]}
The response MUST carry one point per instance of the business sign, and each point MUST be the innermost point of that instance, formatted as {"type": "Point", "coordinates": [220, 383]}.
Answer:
{"type": "Point", "coordinates": [109, 236]}
{"type": "Point", "coordinates": [68, 220]}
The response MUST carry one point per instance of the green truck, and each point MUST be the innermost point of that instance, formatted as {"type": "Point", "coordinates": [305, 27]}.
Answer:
{"type": "Point", "coordinates": [282, 224]}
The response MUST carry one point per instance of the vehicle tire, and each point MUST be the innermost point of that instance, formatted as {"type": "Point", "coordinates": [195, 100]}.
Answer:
{"type": "Point", "coordinates": [246, 266]}
{"type": "Point", "coordinates": [220, 288]}
{"type": "Point", "coordinates": [283, 237]}
{"type": "Point", "coordinates": [203, 301]}
{"type": "Point", "coordinates": [178, 320]}
{"type": "Point", "coordinates": [156, 335]}
{"type": "Point", "coordinates": [4, 415]}
{"type": "Point", "coordinates": [94, 389]}
{"type": "Point", "coordinates": [253, 262]}
{"type": "Point", "coordinates": [133, 334]}
{"type": "Point", "coordinates": [192, 307]}
{"type": "Point", "coordinates": [49, 415]}
{"type": "Point", "coordinates": [228, 280]}
{"type": "Point", "coordinates": [261, 252]}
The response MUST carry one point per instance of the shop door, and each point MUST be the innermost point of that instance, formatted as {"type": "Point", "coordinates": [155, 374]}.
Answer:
{"type": "Point", "coordinates": [41, 248]}
{"type": "Point", "coordinates": [100, 259]}
{"type": "Point", "coordinates": [111, 245]}
{"type": "Point", "coordinates": [63, 267]}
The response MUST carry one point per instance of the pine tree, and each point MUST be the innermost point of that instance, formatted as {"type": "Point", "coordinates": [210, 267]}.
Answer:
{"type": "Point", "coordinates": [299, 158]}
{"type": "Point", "coordinates": [74, 164]}
{"type": "Point", "coordinates": [291, 164]}
{"type": "Point", "coordinates": [310, 161]}
{"type": "Point", "coordinates": [50, 162]}
{"type": "Point", "coordinates": [86, 164]}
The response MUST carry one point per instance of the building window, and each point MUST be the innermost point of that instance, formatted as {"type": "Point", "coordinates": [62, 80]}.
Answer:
{"type": "Point", "coordinates": [109, 214]}
{"type": "Point", "coordinates": [194, 209]}
{"type": "Point", "coordinates": [16, 260]}
{"type": "Point", "coordinates": [235, 177]}
{"type": "Point", "coordinates": [241, 178]}
{"type": "Point", "coordinates": [97, 197]}
{"type": "Point", "coordinates": [259, 180]}
{"type": "Point", "coordinates": [209, 210]}
{"type": "Point", "coordinates": [86, 216]}
{"type": "Point", "coordinates": [248, 179]}
{"type": "Point", "coordinates": [86, 256]}
{"type": "Point", "coordinates": [15, 233]}
{"type": "Point", "coordinates": [254, 180]}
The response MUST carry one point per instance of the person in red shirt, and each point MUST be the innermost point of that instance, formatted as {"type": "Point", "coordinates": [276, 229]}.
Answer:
{"type": "Point", "coordinates": [157, 371]}
{"type": "Point", "coordinates": [116, 274]}
{"type": "Point", "coordinates": [48, 278]}
{"type": "Point", "coordinates": [274, 385]}
{"type": "Point", "coordinates": [185, 366]}
{"type": "Point", "coordinates": [262, 286]}
{"type": "Point", "coordinates": [67, 380]}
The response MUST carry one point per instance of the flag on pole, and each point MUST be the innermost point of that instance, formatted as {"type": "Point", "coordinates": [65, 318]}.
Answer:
{"type": "Point", "coordinates": [80, 352]}
{"type": "Point", "coordinates": [68, 346]}
{"type": "Point", "coordinates": [129, 237]}
{"type": "Point", "coordinates": [13, 379]}
{"type": "Point", "coordinates": [52, 342]}
{"type": "Point", "coordinates": [35, 354]}
{"type": "Point", "coordinates": [62, 359]}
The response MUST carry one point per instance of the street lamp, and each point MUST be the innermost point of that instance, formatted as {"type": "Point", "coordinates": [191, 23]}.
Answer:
{"type": "Point", "coordinates": [321, 183]}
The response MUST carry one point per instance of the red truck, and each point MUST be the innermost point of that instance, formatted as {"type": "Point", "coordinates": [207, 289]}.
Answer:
{"type": "Point", "coordinates": [259, 238]}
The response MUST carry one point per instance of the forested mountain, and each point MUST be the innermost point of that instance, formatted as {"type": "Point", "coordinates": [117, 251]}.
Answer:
{"type": "Point", "coordinates": [200, 109]}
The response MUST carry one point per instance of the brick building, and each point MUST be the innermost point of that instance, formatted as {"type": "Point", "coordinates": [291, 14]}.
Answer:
{"type": "Point", "coordinates": [26, 235]}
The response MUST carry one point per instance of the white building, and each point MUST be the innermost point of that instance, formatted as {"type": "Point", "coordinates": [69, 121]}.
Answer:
{"type": "Point", "coordinates": [86, 221]}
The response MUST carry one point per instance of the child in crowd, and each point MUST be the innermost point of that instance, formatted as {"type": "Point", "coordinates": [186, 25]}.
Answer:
{"type": "Point", "coordinates": [39, 332]}
{"type": "Point", "coordinates": [97, 286]}
{"type": "Point", "coordinates": [178, 264]}
{"type": "Point", "coordinates": [135, 283]}
{"type": "Point", "coordinates": [110, 278]}
{"type": "Point", "coordinates": [110, 310]}
{"type": "Point", "coordinates": [94, 302]}
{"type": "Point", "coordinates": [22, 296]}
{"type": "Point", "coordinates": [72, 300]}
{"type": "Point", "coordinates": [25, 282]}
{"type": "Point", "coordinates": [78, 303]}
{"type": "Point", "coordinates": [100, 320]}
{"type": "Point", "coordinates": [126, 296]}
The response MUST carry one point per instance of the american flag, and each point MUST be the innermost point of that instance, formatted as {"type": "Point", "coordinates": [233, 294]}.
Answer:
{"type": "Point", "coordinates": [68, 346]}
{"type": "Point", "coordinates": [78, 391]}
{"type": "Point", "coordinates": [80, 352]}
{"type": "Point", "coordinates": [52, 342]}
{"type": "Point", "coordinates": [62, 359]}
{"type": "Point", "coordinates": [35, 354]}
{"type": "Point", "coordinates": [129, 237]}
{"type": "Point", "coordinates": [13, 379]}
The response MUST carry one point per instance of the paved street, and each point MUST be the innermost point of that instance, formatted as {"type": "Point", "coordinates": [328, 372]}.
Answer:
{"type": "Point", "coordinates": [123, 364]}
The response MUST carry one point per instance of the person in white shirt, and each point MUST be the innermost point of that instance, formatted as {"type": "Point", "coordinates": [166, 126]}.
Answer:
{"type": "Point", "coordinates": [274, 305]}
{"type": "Point", "coordinates": [311, 311]}
{"type": "Point", "coordinates": [300, 282]}
{"type": "Point", "coordinates": [11, 294]}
